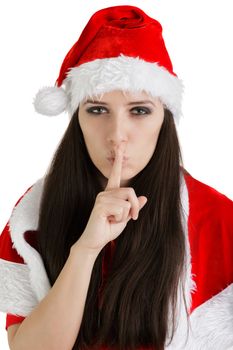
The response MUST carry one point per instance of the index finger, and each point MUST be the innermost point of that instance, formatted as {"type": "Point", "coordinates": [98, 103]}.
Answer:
{"type": "Point", "coordinates": [114, 180]}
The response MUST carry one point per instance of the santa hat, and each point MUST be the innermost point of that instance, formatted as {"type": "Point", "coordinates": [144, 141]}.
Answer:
{"type": "Point", "coordinates": [121, 47]}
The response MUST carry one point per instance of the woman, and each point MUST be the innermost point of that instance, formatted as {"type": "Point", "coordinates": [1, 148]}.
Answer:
{"type": "Point", "coordinates": [118, 246]}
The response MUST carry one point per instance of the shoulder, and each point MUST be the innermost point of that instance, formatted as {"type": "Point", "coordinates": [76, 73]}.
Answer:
{"type": "Point", "coordinates": [21, 222]}
{"type": "Point", "coordinates": [205, 194]}
{"type": "Point", "coordinates": [21, 266]}
{"type": "Point", "coordinates": [29, 201]}
{"type": "Point", "coordinates": [208, 204]}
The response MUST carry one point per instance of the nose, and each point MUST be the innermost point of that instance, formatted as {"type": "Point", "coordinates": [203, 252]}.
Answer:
{"type": "Point", "coordinates": [117, 132]}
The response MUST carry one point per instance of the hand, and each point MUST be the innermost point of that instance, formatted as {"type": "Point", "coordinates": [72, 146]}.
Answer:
{"type": "Point", "coordinates": [112, 210]}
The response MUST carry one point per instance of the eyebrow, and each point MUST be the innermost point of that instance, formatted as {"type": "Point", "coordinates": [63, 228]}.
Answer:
{"type": "Point", "coordinates": [128, 104]}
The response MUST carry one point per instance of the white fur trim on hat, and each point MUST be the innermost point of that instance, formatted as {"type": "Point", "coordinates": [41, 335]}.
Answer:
{"type": "Point", "coordinates": [102, 75]}
{"type": "Point", "coordinates": [125, 73]}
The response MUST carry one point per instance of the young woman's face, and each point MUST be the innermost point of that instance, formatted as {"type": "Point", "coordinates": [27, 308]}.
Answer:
{"type": "Point", "coordinates": [135, 118]}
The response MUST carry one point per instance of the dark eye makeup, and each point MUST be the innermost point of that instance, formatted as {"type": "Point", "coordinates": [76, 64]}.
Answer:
{"type": "Point", "coordinates": [145, 110]}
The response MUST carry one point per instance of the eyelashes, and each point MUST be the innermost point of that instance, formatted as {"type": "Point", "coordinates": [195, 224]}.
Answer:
{"type": "Point", "coordinates": [145, 110]}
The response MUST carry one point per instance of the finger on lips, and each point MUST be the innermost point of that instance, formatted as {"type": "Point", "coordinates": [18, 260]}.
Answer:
{"type": "Point", "coordinates": [114, 180]}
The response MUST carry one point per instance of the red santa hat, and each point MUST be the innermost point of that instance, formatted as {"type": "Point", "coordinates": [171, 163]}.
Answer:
{"type": "Point", "coordinates": [121, 47]}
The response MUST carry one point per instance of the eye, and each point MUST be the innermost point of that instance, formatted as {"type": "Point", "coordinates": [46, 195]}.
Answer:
{"type": "Point", "coordinates": [98, 110]}
{"type": "Point", "coordinates": [142, 109]}
{"type": "Point", "coordinates": [92, 109]}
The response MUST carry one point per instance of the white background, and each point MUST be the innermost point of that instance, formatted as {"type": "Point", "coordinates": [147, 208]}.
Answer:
{"type": "Point", "coordinates": [35, 37]}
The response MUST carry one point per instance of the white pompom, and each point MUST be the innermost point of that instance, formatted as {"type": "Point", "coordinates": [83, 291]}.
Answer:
{"type": "Point", "coordinates": [51, 101]}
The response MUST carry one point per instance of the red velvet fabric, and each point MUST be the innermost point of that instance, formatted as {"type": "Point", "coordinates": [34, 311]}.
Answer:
{"type": "Point", "coordinates": [13, 319]}
{"type": "Point", "coordinates": [114, 30]}
{"type": "Point", "coordinates": [210, 226]}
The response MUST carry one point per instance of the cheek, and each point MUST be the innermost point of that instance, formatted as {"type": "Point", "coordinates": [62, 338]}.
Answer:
{"type": "Point", "coordinates": [156, 134]}
{"type": "Point", "coordinates": [156, 128]}
{"type": "Point", "coordinates": [149, 135]}
{"type": "Point", "coordinates": [90, 133]}
{"type": "Point", "coordinates": [94, 144]}
{"type": "Point", "coordinates": [147, 145]}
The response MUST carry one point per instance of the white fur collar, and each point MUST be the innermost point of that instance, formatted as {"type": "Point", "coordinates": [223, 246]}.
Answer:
{"type": "Point", "coordinates": [24, 218]}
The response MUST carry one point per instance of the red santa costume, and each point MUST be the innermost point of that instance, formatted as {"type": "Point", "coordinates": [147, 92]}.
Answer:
{"type": "Point", "coordinates": [208, 223]}
{"type": "Point", "coordinates": [122, 47]}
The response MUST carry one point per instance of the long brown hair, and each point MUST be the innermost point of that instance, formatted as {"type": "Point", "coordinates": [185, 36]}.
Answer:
{"type": "Point", "coordinates": [150, 253]}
